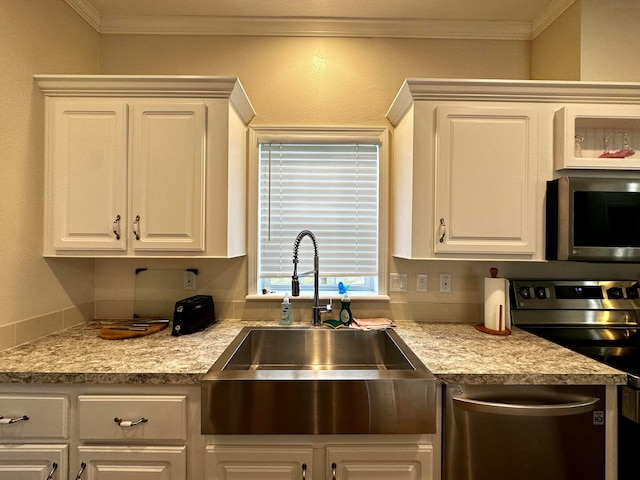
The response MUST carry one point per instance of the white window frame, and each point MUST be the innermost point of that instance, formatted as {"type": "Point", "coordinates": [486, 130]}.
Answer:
{"type": "Point", "coordinates": [258, 135]}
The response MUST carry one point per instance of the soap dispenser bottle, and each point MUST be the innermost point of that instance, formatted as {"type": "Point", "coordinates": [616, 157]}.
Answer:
{"type": "Point", "coordinates": [285, 314]}
{"type": "Point", "coordinates": [345, 305]}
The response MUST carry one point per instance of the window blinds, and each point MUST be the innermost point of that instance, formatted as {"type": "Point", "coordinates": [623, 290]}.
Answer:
{"type": "Point", "coordinates": [331, 190]}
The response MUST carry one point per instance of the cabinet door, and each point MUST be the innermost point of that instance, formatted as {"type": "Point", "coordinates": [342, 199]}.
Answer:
{"type": "Point", "coordinates": [86, 175]}
{"type": "Point", "coordinates": [258, 462]}
{"type": "Point", "coordinates": [486, 178]}
{"type": "Point", "coordinates": [168, 176]}
{"type": "Point", "coordinates": [33, 462]}
{"type": "Point", "coordinates": [380, 462]}
{"type": "Point", "coordinates": [597, 137]}
{"type": "Point", "coordinates": [132, 462]}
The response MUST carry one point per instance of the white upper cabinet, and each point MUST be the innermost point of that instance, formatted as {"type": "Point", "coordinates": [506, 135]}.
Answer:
{"type": "Point", "coordinates": [469, 169]}
{"type": "Point", "coordinates": [168, 176]}
{"type": "Point", "coordinates": [86, 180]}
{"type": "Point", "coordinates": [145, 166]}
{"type": "Point", "coordinates": [471, 159]}
{"type": "Point", "coordinates": [486, 179]}
{"type": "Point", "coordinates": [597, 137]}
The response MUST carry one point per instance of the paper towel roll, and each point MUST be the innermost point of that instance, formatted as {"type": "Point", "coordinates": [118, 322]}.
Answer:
{"type": "Point", "coordinates": [496, 306]}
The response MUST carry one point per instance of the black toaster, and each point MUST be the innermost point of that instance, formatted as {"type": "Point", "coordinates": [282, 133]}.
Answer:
{"type": "Point", "coordinates": [193, 314]}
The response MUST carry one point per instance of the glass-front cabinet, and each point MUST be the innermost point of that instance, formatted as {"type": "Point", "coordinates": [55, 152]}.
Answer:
{"type": "Point", "coordinates": [597, 137]}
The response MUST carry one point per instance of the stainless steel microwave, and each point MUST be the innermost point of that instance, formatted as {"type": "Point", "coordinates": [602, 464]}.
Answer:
{"type": "Point", "coordinates": [593, 219]}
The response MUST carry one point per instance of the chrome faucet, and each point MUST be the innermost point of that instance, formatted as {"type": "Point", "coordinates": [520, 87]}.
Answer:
{"type": "Point", "coordinates": [295, 284]}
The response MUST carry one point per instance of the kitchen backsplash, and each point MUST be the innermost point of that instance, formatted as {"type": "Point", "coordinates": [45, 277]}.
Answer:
{"type": "Point", "coordinates": [226, 281]}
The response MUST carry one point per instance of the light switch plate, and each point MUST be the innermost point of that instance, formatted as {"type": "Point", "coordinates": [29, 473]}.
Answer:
{"type": "Point", "coordinates": [398, 282]}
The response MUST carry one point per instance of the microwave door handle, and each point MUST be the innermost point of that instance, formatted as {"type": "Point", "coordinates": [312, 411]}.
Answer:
{"type": "Point", "coordinates": [529, 410]}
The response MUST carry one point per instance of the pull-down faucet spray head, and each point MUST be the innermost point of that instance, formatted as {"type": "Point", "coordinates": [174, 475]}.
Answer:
{"type": "Point", "coordinates": [295, 283]}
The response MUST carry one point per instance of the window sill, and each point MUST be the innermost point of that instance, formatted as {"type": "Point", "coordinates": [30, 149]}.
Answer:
{"type": "Point", "coordinates": [278, 297]}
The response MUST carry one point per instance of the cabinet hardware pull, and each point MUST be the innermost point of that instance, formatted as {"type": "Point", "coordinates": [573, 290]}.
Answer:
{"type": "Point", "coordinates": [23, 418]}
{"type": "Point", "coordinates": [82, 467]}
{"type": "Point", "coordinates": [136, 224]}
{"type": "Point", "coordinates": [130, 423]}
{"type": "Point", "coordinates": [334, 474]}
{"type": "Point", "coordinates": [116, 227]}
{"type": "Point", "coordinates": [54, 467]}
{"type": "Point", "coordinates": [304, 471]}
{"type": "Point", "coordinates": [533, 409]}
{"type": "Point", "coordinates": [443, 230]}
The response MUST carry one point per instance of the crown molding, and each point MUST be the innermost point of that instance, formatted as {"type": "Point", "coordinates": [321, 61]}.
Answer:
{"type": "Point", "coordinates": [319, 27]}
{"type": "Point", "coordinates": [87, 12]}
{"type": "Point", "coordinates": [499, 90]}
{"type": "Point", "coordinates": [186, 86]}
{"type": "Point", "coordinates": [304, 27]}
{"type": "Point", "coordinates": [316, 27]}
{"type": "Point", "coordinates": [551, 12]}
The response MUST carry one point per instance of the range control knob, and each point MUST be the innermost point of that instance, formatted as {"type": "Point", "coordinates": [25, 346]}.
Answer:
{"type": "Point", "coordinates": [614, 293]}
{"type": "Point", "coordinates": [525, 292]}
{"type": "Point", "coordinates": [540, 292]}
{"type": "Point", "coordinates": [632, 292]}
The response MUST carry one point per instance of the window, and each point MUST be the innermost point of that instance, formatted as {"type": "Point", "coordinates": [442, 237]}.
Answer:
{"type": "Point", "coordinates": [331, 186]}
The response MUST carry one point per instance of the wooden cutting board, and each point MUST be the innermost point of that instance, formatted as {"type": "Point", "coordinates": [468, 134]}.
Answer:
{"type": "Point", "coordinates": [121, 332]}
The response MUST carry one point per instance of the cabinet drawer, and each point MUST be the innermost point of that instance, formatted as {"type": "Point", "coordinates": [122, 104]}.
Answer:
{"type": "Point", "coordinates": [140, 417]}
{"type": "Point", "coordinates": [27, 417]}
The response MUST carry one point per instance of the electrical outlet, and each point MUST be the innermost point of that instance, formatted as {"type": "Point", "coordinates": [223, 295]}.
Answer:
{"type": "Point", "coordinates": [398, 282]}
{"type": "Point", "coordinates": [445, 283]}
{"type": "Point", "coordinates": [421, 283]}
{"type": "Point", "coordinates": [189, 280]}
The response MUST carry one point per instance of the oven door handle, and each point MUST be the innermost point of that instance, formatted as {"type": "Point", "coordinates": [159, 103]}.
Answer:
{"type": "Point", "coordinates": [583, 405]}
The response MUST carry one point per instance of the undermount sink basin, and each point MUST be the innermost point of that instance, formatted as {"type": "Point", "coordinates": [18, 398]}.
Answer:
{"type": "Point", "coordinates": [297, 380]}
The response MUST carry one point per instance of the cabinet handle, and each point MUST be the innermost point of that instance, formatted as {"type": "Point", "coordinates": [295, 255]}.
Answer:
{"type": "Point", "coordinates": [116, 227]}
{"type": "Point", "coordinates": [304, 471]}
{"type": "Point", "coordinates": [54, 467]}
{"type": "Point", "coordinates": [82, 467]}
{"type": "Point", "coordinates": [136, 224]}
{"type": "Point", "coordinates": [130, 423]}
{"type": "Point", "coordinates": [443, 230]}
{"type": "Point", "coordinates": [334, 474]}
{"type": "Point", "coordinates": [533, 409]}
{"type": "Point", "coordinates": [23, 418]}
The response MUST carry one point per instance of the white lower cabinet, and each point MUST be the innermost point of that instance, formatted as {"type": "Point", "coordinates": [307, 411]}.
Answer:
{"type": "Point", "coordinates": [33, 461]}
{"type": "Point", "coordinates": [326, 462]}
{"type": "Point", "coordinates": [380, 462]}
{"type": "Point", "coordinates": [249, 462]}
{"type": "Point", "coordinates": [137, 437]}
{"type": "Point", "coordinates": [132, 462]}
{"type": "Point", "coordinates": [33, 437]}
{"type": "Point", "coordinates": [152, 432]}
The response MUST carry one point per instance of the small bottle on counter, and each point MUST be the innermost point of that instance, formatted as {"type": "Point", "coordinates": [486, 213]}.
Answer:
{"type": "Point", "coordinates": [285, 314]}
{"type": "Point", "coordinates": [345, 305]}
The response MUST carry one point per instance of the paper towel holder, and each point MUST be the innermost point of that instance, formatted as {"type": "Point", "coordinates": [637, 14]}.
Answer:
{"type": "Point", "coordinates": [502, 312]}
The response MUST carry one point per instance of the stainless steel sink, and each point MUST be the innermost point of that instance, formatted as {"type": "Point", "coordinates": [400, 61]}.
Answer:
{"type": "Point", "coordinates": [297, 380]}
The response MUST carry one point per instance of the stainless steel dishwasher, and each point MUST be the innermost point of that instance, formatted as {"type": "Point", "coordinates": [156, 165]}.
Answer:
{"type": "Point", "coordinates": [524, 432]}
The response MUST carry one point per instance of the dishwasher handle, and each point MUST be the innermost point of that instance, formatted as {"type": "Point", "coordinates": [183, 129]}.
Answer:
{"type": "Point", "coordinates": [583, 405]}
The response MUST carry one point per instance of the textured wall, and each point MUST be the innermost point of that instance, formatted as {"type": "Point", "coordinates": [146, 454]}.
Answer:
{"type": "Point", "coordinates": [316, 81]}
{"type": "Point", "coordinates": [35, 37]}
{"type": "Point", "coordinates": [555, 53]}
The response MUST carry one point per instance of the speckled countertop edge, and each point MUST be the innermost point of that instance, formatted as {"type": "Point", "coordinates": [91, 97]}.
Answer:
{"type": "Point", "coordinates": [455, 353]}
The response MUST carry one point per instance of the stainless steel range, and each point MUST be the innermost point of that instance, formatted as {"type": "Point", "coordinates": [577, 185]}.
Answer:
{"type": "Point", "coordinates": [599, 319]}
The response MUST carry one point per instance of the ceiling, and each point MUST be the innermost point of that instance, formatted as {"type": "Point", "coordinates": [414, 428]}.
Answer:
{"type": "Point", "coordinates": [488, 19]}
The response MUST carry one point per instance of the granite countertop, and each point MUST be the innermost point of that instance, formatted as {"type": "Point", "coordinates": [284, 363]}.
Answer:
{"type": "Point", "coordinates": [455, 353]}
